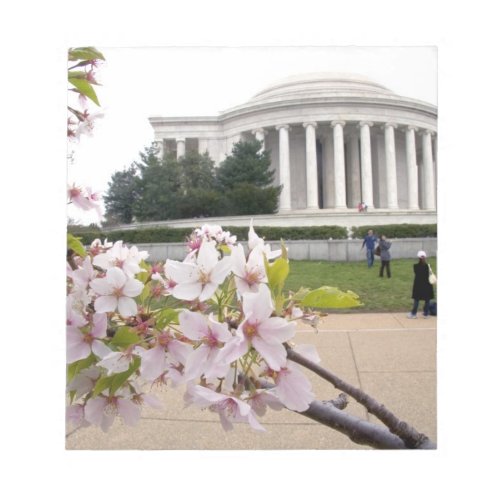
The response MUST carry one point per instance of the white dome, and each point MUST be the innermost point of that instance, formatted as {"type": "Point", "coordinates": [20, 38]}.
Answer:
{"type": "Point", "coordinates": [322, 85]}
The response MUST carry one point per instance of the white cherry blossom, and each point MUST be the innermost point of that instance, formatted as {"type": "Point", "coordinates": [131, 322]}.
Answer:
{"type": "Point", "coordinates": [116, 291]}
{"type": "Point", "coordinates": [199, 279]}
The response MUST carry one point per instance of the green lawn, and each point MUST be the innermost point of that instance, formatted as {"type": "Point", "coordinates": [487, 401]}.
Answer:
{"type": "Point", "coordinates": [376, 294]}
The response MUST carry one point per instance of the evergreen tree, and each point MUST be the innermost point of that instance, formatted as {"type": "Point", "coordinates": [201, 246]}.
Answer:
{"type": "Point", "coordinates": [245, 179]}
{"type": "Point", "coordinates": [159, 187]}
{"type": "Point", "coordinates": [197, 171]}
{"type": "Point", "coordinates": [246, 164]}
{"type": "Point", "coordinates": [121, 195]}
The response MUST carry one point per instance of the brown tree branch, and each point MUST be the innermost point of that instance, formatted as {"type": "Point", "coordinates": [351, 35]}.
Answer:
{"type": "Point", "coordinates": [410, 437]}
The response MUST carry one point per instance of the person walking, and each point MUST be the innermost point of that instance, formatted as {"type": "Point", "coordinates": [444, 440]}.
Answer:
{"type": "Point", "coordinates": [385, 256]}
{"type": "Point", "coordinates": [370, 240]}
{"type": "Point", "coordinates": [422, 289]}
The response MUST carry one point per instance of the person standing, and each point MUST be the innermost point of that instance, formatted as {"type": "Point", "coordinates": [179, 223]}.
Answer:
{"type": "Point", "coordinates": [422, 289]}
{"type": "Point", "coordinates": [370, 240]}
{"type": "Point", "coordinates": [385, 256]}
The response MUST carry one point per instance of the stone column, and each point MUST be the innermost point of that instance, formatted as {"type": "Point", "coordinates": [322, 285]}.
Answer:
{"type": "Point", "coordinates": [260, 135]}
{"type": "Point", "coordinates": [390, 166]}
{"type": "Point", "coordinates": [311, 166]}
{"type": "Point", "coordinates": [428, 199]}
{"type": "Point", "coordinates": [354, 190]}
{"type": "Point", "coordinates": [181, 147]}
{"type": "Point", "coordinates": [366, 164]}
{"type": "Point", "coordinates": [411, 164]}
{"type": "Point", "coordinates": [284, 168]}
{"type": "Point", "coordinates": [339, 164]}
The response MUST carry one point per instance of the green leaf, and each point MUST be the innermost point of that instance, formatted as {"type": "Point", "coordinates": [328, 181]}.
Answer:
{"type": "Point", "coordinates": [328, 297]}
{"type": "Point", "coordinates": [85, 53]}
{"type": "Point", "coordinates": [76, 245]}
{"type": "Point", "coordinates": [102, 384]}
{"type": "Point", "coordinates": [277, 273]}
{"type": "Point", "coordinates": [77, 74]}
{"type": "Point", "coordinates": [114, 382]}
{"type": "Point", "coordinates": [145, 274]}
{"type": "Point", "coordinates": [76, 367]}
{"type": "Point", "coordinates": [85, 88]}
{"type": "Point", "coordinates": [125, 337]}
{"type": "Point", "coordinates": [299, 295]}
{"type": "Point", "coordinates": [166, 317]}
{"type": "Point", "coordinates": [225, 249]}
{"type": "Point", "coordinates": [119, 379]}
{"type": "Point", "coordinates": [145, 293]}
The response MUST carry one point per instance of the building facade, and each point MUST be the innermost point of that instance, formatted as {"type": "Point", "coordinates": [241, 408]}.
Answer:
{"type": "Point", "coordinates": [335, 140]}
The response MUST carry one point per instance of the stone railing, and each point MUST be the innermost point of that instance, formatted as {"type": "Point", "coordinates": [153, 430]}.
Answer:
{"type": "Point", "coordinates": [330, 250]}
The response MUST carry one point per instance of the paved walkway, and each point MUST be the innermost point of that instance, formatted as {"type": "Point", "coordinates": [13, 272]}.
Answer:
{"type": "Point", "coordinates": [389, 356]}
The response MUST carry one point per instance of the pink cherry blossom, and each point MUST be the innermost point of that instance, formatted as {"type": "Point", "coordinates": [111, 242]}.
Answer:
{"type": "Point", "coordinates": [211, 336]}
{"type": "Point", "coordinates": [265, 333]}
{"type": "Point", "coordinates": [75, 415]}
{"type": "Point", "coordinates": [117, 361]}
{"type": "Point", "coordinates": [255, 242]}
{"type": "Point", "coordinates": [167, 354]}
{"type": "Point", "coordinates": [79, 345]}
{"type": "Point", "coordinates": [248, 273]}
{"type": "Point", "coordinates": [122, 257]}
{"type": "Point", "coordinates": [116, 291]}
{"type": "Point", "coordinates": [261, 399]}
{"type": "Point", "coordinates": [84, 381]}
{"type": "Point", "coordinates": [73, 315]}
{"type": "Point", "coordinates": [199, 279]}
{"type": "Point", "coordinates": [293, 388]}
{"type": "Point", "coordinates": [102, 411]}
{"type": "Point", "coordinates": [229, 408]}
{"type": "Point", "coordinates": [84, 274]}
{"type": "Point", "coordinates": [80, 199]}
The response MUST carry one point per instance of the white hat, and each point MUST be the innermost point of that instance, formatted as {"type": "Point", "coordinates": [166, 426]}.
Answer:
{"type": "Point", "coordinates": [421, 254]}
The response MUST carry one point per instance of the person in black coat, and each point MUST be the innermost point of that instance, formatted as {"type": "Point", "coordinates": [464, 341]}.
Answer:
{"type": "Point", "coordinates": [422, 289]}
{"type": "Point", "coordinates": [385, 256]}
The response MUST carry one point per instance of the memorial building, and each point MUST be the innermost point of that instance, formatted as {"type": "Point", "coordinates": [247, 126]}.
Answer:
{"type": "Point", "coordinates": [335, 140]}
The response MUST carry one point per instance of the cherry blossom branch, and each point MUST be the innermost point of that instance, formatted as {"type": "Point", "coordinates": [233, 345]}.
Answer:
{"type": "Point", "coordinates": [359, 431]}
{"type": "Point", "coordinates": [410, 437]}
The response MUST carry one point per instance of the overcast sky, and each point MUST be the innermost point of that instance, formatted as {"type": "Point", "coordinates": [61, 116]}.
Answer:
{"type": "Point", "coordinates": [188, 81]}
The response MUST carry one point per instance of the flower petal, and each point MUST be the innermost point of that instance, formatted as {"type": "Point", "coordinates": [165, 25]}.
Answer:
{"type": "Point", "coordinates": [187, 291]}
{"type": "Point", "coordinates": [193, 325]}
{"type": "Point", "coordinates": [130, 412]}
{"type": "Point", "coordinates": [100, 325]}
{"type": "Point", "coordinates": [221, 270]}
{"type": "Point", "coordinates": [181, 272]}
{"type": "Point", "coordinates": [294, 389]}
{"type": "Point", "coordinates": [276, 330]}
{"type": "Point", "coordinates": [274, 354]}
{"type": "Point", "coordinates": [259, 304]}
{"type": "Point", "coordinates": [127, 306]}
{"type": "Point", "coordinates": [116, 277]}
{"type": "Point", "coordinates": [208, 290]}
{"type": "Point", "coordinates": [207, 256]}
{"type": "Point", "coordinates": [106, 303]}
{"type": "Point", "coordinates": [94, 410]}
{"type": "Point", "coordinates": [132, 288]}
{"type": "Point", "coordinates": [101, 286]}
{"type": "Point", "coordinates": [153, 362]}
{"type": "Point", "coordinates": [195, 364]}
{"type": "Point", "coordinates": [238, 260]}
{"type": "Point", "coordinates": [76, 348]}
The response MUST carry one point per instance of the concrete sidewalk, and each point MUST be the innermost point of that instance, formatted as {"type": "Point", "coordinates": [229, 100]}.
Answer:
{"type": "Point", "coordinates": [389, 356]}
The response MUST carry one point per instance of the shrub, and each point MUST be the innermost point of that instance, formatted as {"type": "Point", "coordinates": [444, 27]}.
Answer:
{"type": "Point", "coordinates": [270, 233]}
{"type": "Point", "coordinates": [398, 230]}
